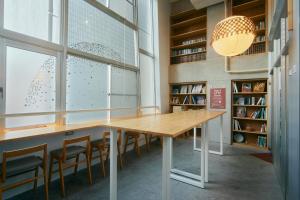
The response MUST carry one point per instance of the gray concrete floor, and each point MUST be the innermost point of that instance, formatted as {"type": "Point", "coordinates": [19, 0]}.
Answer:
{"type": "Point", "coordinates": [235, 176]}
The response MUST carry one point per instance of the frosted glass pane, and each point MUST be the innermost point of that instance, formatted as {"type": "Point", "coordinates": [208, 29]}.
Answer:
{"type": "Point", "coordinates": [123, 8]}
{"type": "Point", "coordinates": [14, 122]}
{"type": "Point", "coordinates": [39, 19]}
{"type": "Point", "coordinates": [123, 81]}
{"type": "Point", "coordinates": [86, 84]}
{"type": "Point", "coordinates": [145, 24]}
{"type": "Point", "coordinates": [85, 117]}
{"type": "Point", "coordinates": [123, 102]}
{"type": "Point", "coordinates": [147, 80]}
{"type": "Point", "coordinates": [91, 30]}
{"type": "Point", "coordinates": [30, 81]}
{"type": "Point", "coordinates": [30, 86]}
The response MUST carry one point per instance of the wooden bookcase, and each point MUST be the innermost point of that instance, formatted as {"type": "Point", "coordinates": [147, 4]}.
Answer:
{"type": "Point", "coordinates": [257, 11]}
{"type": "Point", "coordinates": [188, 95]}
{"type": "Point", "coordinates": [249, 112]}
{"type": "Point", "coordinates": [188, 36]}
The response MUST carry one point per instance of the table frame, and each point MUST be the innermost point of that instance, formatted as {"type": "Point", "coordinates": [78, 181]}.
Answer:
{"type": "Point", "coordinates": [221, 140]}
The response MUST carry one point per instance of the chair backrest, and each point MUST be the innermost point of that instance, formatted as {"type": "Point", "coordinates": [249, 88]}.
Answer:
{"type": "Point", "coordinates": [7, 155]}
{"type": "Point", "coordinates": [78, 140]}
{"type": "Point", "coordinates": [106, 135]}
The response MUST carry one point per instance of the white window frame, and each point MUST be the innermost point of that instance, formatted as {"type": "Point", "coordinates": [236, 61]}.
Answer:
{"type": "Point", "coordinates": [61, 50]}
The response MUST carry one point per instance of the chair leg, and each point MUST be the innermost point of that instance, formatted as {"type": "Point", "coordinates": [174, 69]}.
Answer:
{"type": "Point", "coordinates": [45, 182]}
{"type": "Point", "coordinates": [120, 156]}
{"type": "Point", "coordinates": [50, 169]}
{"type": "Point", "coordinates": [88, 165]}
{"type": "Point", "coordinates": [36, 175]}
{"type": "Point", "coordinates": [125, 146]}
{"type": "Point", "coordinates": [0, 193]}
{"type": "Point", "coordinates": [137, 146]}
{"type": "Point", "coordinates": [147, 142]}
{"type": "Point", "coordinates": [62, 181]}
{"type": "Point", "coordinates": [102, 162]}
{"type": "Point", "coordinates": [161, 141]}
{"type": "Point", "coordinates": [76, 165]}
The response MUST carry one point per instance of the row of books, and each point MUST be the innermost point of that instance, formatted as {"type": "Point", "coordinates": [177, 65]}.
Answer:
{"type": "Point", "coordinates": [260, 38]}
{"type": "Point", "coordinates": [259, 114]}
{"type": "Point", "coordinates": [255, 48]}
{"type": "Point", "coordinates": [199, 100]}
{"type": "Point", "coordinates": [188, 51]}
{"type": "Point", "coordinates": [260, 25]}
{"type": "Point", "coordinates": [189, 89]}
{"type": "Point", "coordinates": [236, 125]}
{"type": "Point", "coordinates": [189, 58]}
{"type": "Point", "coordinates": [246, 87]}
{"type": "Point", "coordinates": [262, 141]}
{"type": "Point", "coordinates": [263, 128]}
{"type": "Point", "coordinates": [201, 39]}
{"type": "Point", "coordinates": [175, 100]}
{"type": "Point", "coordinates": [250, 101]}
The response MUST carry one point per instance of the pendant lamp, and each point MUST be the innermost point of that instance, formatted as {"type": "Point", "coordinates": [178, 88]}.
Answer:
{"type": "Point", "coordinates": [233, 35]}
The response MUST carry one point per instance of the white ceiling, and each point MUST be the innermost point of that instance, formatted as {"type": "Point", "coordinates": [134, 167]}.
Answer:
{"type": "Point", "coordinates": [198, 4]}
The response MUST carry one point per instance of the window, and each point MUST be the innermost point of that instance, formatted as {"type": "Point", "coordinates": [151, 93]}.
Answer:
{"type": "Point", "coordinates": [94, 32]}
{"type": "Point", "coordinates": [40, 19]}
{"type": "Point", "coordinates": [145, 25]}
{"type": "Point", "coordinates": [123, 8]}
{"type": "Point", "coordinates": [86, 89]}
{"type": "Point", "coordinates": [30, 85]}
{"type": "Point", "coordinates": [147, 80]}
{"type": "Point", "coordinates": [96, 70]}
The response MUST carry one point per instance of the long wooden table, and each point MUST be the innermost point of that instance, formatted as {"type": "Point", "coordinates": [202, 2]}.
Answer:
{"type": "Point", "coordinates": [168, 126]}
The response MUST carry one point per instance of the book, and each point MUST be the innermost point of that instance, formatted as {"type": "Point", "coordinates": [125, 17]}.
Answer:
{"type": "Point", "coordinates": [235, 89]}
{"type": "Point", "coordinates": [246, 87]}
{"type": "Point", "coordinates": [241, 112]}
{"type": "Point", "coordinates": [186, 100]}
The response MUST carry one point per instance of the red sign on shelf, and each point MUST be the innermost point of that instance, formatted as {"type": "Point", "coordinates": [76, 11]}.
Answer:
{"type": "Point", "coordinates": [218, 98]}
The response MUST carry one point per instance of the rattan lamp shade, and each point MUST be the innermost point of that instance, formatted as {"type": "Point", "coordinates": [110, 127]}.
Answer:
{"type": "Point", "coordinates": [233, 35]}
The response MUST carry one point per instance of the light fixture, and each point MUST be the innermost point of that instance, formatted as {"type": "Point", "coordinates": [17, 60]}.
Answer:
{"type": "Point", "coordinates": [233, 35]}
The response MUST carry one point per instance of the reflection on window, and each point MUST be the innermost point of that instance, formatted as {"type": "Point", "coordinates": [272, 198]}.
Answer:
{"type": "Point", "coordinates": [40, 19]}
{"type": "Point", "coordinates": [90, 30]}
{"type": "Point", "coordinates": [86, 84]}
{"type": "Point", "coordinates": [145, 25]}
{"type": "Point", "coordinates": [123, 102]}
{"type": "Point", "coordinates": [123, 8]}
{"type": "Point", "coordinates": [123, 81]}
{"type": "Point", "coordinates": [147, 80]}
{"type": "Point", "coordinates": [30, 85]}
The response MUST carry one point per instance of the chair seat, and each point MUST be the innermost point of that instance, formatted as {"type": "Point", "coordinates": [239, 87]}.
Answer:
{"type": "Point", "coordinates": [133, 134]}
{"type": "Point", "coordinates": [71, 151]}
{"type": "Point", "coordinates": [95, 143]}
{"type": "Point", "coordinates": [22, 165]}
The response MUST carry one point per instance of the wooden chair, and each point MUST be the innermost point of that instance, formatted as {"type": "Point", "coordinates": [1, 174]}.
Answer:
{"type": "Point", "coordinates": [103, 146]}
{"type": "Point", "coordinates": [134, 136]}
{"type": "Point", "coordinates": [158, 137]}
{"type": "Point", "coordinates": [72, 149]}
{"type": "Point", "coordinates": [21, 161]}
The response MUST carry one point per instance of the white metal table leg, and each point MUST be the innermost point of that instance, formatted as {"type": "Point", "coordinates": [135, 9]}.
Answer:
{"type": "Point", "coordinates": [166, 167]}
{"type": "Point", "coordinates": [195, 138]}
{"type": "Point", "coordinates": [202, 158]}
{"type": "Point", "coordinates": [206, 152]}
{"type": "Point", "coordinates": [221, 134]}
{"type": "Point", "coordinates": [113, 164]}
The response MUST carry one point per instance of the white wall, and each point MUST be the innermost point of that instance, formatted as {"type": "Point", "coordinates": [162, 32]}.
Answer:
{"type": "Point", "coordinates": [162, 54]}
{"type": "Point", "coordinates": [212, 71]}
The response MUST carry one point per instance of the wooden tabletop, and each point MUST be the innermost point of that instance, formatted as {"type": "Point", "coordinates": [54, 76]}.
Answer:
{"type": "Point", "coordinates": [171, 125]}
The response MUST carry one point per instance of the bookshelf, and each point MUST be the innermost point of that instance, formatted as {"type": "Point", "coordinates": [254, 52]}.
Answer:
{"type": "Point", "coordinates": [188, 95]}
{"type": "Point", "coordinates": [188, 36]}
{"type": "Point", "coordinates": [256, 10]}
{"type": "Point", "coordinates": [249, 112]}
